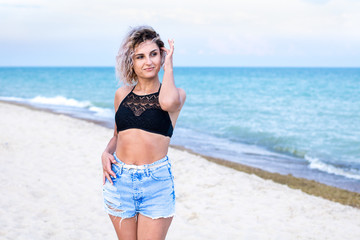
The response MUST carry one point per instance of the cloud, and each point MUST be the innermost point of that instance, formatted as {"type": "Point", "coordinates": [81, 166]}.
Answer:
{"type": "Point", "coordinates": [230, 28]}
{"type": "Point", "coordinates": [317, 1]}
{"type": "Point", "coordinates": [240, 45]}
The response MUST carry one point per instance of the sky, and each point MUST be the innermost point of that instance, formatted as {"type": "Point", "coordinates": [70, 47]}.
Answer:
{"type": "Point", "coordinates": [244, 33]}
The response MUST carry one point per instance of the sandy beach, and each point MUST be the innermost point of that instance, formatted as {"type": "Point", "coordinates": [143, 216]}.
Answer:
{"type": "Point", "coordinates": [51, 189]}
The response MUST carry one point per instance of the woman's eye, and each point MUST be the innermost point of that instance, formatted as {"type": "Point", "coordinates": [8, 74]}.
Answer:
{"type": "Point", "coordinates": [154, 54]}
{"type": "Point", "coordinates": [139, 57]}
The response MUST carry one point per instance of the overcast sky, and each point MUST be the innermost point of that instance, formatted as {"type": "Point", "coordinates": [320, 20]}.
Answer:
{"type": "Point", "coordinates": [206, 32]}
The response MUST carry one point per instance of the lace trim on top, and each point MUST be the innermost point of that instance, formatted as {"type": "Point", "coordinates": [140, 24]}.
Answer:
{"type": "Point", "coordinates": [138, 104]}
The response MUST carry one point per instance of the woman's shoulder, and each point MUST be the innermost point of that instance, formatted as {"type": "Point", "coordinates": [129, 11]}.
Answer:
{"type": "Point", "coordinates": [123, 90]}
{"type": "Point", "coordinates": [121, 93]}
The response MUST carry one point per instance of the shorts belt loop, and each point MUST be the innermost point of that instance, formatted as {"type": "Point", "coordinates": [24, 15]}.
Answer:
{"type": "Point", "coordinates": [121, 169]}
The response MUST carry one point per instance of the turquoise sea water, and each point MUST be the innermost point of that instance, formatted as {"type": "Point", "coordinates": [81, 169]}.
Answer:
{"type": "Point", "coordinates": [302, 121]}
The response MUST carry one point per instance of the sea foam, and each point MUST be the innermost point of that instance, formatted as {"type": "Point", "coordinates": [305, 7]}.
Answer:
{"type": "Point", "coordinates": [60, 100]}
{"type": "Point", "coordinates": [315, 163]}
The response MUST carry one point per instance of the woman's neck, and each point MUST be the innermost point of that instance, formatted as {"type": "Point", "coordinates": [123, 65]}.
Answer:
{"type": "Point", "coordinates": [146, 86]}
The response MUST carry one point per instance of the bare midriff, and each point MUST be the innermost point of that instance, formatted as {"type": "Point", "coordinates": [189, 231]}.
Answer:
{"type": "Point", "coordinates": [139, 147]}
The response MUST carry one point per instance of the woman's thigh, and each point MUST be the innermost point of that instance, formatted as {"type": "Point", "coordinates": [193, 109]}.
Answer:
{"type": "Point", "coordinates": [148, 228]}
{"type": "Point", "coordinates": [125, 228]}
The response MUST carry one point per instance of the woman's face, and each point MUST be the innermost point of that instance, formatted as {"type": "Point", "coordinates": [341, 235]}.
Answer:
{"type": "Point", "coordinates": [147, 60]}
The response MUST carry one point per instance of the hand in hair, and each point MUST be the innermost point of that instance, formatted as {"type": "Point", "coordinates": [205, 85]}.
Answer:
{"type": "Point", "coordinates": [168, 64]}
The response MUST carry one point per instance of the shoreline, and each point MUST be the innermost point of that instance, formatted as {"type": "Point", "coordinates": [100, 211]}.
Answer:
{"type": "Point", "coordinates": [310, 187]}
{"type": "Point", "coordinates": [28, 106]}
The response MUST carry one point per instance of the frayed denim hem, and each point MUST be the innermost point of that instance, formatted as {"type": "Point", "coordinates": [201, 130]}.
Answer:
{"type": "Point", "coordinates": [154, 218]}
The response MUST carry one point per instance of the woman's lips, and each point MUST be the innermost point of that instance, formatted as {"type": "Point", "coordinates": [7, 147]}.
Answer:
{"type": "Point", "coordinates": [149, 69]}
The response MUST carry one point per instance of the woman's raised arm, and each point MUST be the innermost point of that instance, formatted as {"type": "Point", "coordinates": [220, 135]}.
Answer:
{"type": "Point", "coordinates": [171, 98]}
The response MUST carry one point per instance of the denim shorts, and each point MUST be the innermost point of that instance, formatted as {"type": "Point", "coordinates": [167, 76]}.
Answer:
{"type": "Point", "coordinates": [145, 189]}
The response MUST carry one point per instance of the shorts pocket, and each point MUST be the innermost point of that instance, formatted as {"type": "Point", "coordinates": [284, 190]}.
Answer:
{"type": "Point", "coordinates": [161, 174]}
{"type": "Point", "coordinates": [117, 170]}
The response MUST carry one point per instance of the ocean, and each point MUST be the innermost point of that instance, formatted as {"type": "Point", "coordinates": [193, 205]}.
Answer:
{"type": "Point", "coordinates": [299, 121]}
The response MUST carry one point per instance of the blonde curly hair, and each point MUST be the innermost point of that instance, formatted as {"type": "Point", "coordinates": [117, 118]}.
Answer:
{"type": "Point", "coordinates": [124, 59]}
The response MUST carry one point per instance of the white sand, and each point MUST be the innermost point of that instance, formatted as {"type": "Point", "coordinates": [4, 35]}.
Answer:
{"type": "Point", "coordinates": [51, 189]}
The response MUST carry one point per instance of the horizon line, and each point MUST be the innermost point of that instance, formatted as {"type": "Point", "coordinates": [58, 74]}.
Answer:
{"type": "Point", "coordinates": [104, 66]}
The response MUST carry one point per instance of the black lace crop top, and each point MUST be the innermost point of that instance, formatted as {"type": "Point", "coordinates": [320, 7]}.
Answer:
{"type": "Point", "coordinates": [143, 112]}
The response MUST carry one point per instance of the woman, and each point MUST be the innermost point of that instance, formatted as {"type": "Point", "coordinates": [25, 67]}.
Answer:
{"type": "Point", "coordinates": [138, 185]}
